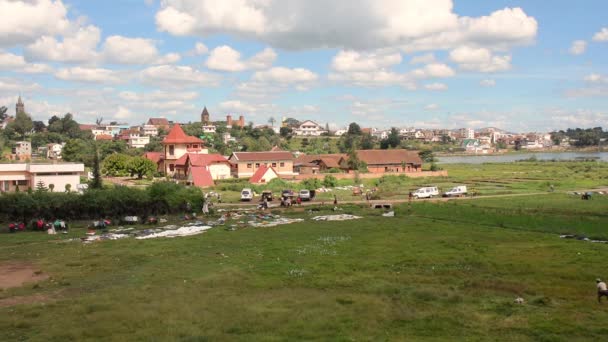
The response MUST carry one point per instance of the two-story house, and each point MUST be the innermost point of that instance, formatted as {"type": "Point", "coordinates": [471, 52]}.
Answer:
{"type": "Point", "coordinates": [309, 128]}
{"type": "Point", "coordinates": [176, 144]}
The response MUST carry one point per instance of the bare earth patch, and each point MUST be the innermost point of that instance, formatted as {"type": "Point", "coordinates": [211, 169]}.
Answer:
{"type": "Point", "coordinates": [17, 274]}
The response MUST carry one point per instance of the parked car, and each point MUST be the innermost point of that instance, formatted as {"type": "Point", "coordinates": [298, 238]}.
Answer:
{"type": "Point", "coordinates": [456, 191]}
{"type": "Point", "coordinates": [287, 193]}
{"type": "Point", "coordinates": [304, 195]}
{"type": "Point", "coordinates": [268, 195]}
{"type": "Point", "coordinates": [246, 195]}
{"type": "Point", "coordinates": [426, 192]}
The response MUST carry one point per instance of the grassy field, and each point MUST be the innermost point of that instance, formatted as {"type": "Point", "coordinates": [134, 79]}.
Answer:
{"type": "Point", "coordinates": [436, 271]}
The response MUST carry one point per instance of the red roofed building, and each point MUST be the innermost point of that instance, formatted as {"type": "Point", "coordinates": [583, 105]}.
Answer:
{"type": "Point", "coordinates": [263, 175]}
{"type": "Point", "coordinates": [157, 158]}
{"type": "Point", "coordinates": [176, 144]}
{"type": "Point", "coordinates": [159, 123]}
{"type": "Point", "coordinates": [201, 177]}
{"type": "Point", "coordinates": [218, 165]}
{"type": "Point", "coordinates": [388, 161]}
{"type": "Point", "coordinates": [104, 137]}
{"type": "Point", "coordinates": [245, 164]}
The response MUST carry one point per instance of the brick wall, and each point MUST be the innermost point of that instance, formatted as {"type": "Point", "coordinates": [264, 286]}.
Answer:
{"type": "Point", "coordinates": [442, 173]}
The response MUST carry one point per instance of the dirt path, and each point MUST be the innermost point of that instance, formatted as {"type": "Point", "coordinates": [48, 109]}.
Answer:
{"type": "Point", "coordinates": [17, 274]}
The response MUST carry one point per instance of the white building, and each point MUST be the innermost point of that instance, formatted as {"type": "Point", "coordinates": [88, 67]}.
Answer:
{"type": "Point", "coordinates": [53, 151]}
{"type": "Point", "coordinates": [467, 133]}
{"type": "Point", "coordinates": [340, 132]}
{"type": "Point", "coordinates": [135, 140]}
{"type": "Point", "coordinates": [309, 128]}
{"type": "Point", "coordinates": [380, 134]}
{"type": "Point", "coordinates": [209, 129]}
{"type": "Point", "coordinates": [25, 176]}
{"type": "Point", "coordinates": [149, 130]}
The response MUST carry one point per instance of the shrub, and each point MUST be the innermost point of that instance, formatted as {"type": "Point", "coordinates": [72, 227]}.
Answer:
{"type": "Point", "coordinates": [311, 183]}
{"type": "Point", "coordinates": [330, 181]}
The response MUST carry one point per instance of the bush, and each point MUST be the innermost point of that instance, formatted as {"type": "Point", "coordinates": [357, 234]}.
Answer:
{"type": "Point", "coordinates": [311, 183]}
{"type": "Point", "coordinates": [330, 181]}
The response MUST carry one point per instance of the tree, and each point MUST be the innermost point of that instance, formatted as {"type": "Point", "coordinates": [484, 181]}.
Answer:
{"type": "Point", "coordinates": [272, 121]}
{"type": "Point", "coordinates": [39, 126]}
{"type": "Point", "coordinates": [53, 119]}
{"type": "Point", "coordinates": [78, 150]}
{"type": "Point", "coordinates": [22, 125]}
{"type": "Point", "coordinates": [354, 129]}
{"type": "Point", "coordinates": [330, 181]}
{"type": "Point", "coordinates": [141, 167]}
{"type": "Point", "coordinates": [286, 132]}
{"type": "Point", "coordinates": [51, 187]}
{"type": "Point", "coordinates": [367, 142]}
{"type": "Point", "coordinates": [41, 187]}
{"type": "Point", "coordinates": [426, 156]}
{"type": "Point", "coordinates": [3, 114]}
{"type": "Point", "coordinates": [96, 183]}
{"type": "Point", "coordinates": [353, 160]}
{"type": "Point", "coordinates": [155, 145]}
{"type": "Point", "coordinates": [66, 126]}
{"type": "Point", "coordinates": [116, 164]}
{"type": "Point", "coordinates": [291, 122]}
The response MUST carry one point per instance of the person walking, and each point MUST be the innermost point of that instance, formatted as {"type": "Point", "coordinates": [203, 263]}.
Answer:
{"type": "Point", "coordinates": [335, 200]}
{"type": "Point", "coordinates": [602, 290]}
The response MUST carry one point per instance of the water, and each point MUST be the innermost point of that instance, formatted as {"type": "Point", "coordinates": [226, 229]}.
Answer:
{"type": "Point", "coordinates": [509, 158]}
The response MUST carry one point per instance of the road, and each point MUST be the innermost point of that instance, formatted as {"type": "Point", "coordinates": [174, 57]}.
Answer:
{"type": "Point", "coordinates": [398, 201]}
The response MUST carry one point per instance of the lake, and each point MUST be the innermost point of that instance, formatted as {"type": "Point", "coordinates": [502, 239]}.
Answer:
{"type": "Point", "coordinates": [509, 158]}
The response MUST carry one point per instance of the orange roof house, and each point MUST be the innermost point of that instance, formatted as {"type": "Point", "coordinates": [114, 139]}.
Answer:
{"type": "Point", "coordinates": [177, 144]}
{"type": "Point", "coordinates": [263, 175]}
{"type": "Point", "coordinates": [159, 123]}
{"type": "Point", "coordinates": [388, 161]}
{"type": "Point", "coordinates": [245, 164]}
{"type": "Point", "coordinates": [200, 176]}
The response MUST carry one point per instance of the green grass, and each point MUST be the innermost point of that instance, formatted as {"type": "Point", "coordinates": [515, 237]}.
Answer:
{"type": "Point", "coordinates": [445, 271]}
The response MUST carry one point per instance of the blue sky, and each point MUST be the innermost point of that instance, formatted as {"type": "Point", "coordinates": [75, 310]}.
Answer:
{"type": "Point", "coordinates": [518, 65]}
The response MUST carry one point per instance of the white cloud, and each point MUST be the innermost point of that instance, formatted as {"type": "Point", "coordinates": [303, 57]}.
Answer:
{"type": "Point", "coordinates": [263, 59]}
{"type": "Point", "coordinates": [282, 75]}
{"type": "Point", "coordinates": [200, 48]}
{"type": "Point", "coordinates": [410, 24]}
{"type": "Point", "coordinates": [423, 59]}
{"type": "Point", "coordinates": [236, 106]}
{"type": "Point", "coordinates": [346, 61]}
{"type": "Point", "coordinates": [123, 113]}
{"type": "Point", "coordinates": [479, 59]}
{"type": "Point", "coordinates": [596, 78]}
{"type": "Point", "coordinates": [579, 118]}
{"type": "Point", "coordinates": [25, 21]}
{"type": "Point", "coordinates": [11, 62]}
{"type": "Point", "coordinates": [434, 70]}
{"type": "Point", "coordinates": [77, 47]}
{"type": "Point", "coordinates": [432, 106]}
{"type": "Point", "coordinates": [487, 83]}
{"type": "Point", "coordinates": [225, 58]}
{"type": "Point", "coordinates": [14, 85]}
{"type": "Point", "coordinates": [93, 75]}
{"type": "Point", "coordinates": [578, 47]}
{"type": "Point", "coordinates": [436, 86]}
{"type": "Point", "coordinates": [380, 78]}
{"type": "Point", "coordinates": [178, 76]}
{"type": "Point", "coordinates": [126, 50]}
{"type": "Point", "coordinates": [601, 36]}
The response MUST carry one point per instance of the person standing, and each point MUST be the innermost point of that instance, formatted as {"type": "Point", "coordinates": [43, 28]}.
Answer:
{"type": "Point", "coordinates": [602, 290]}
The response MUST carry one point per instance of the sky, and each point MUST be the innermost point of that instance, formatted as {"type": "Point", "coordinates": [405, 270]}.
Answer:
{"type": "Point", "coordinates": [531, 65]}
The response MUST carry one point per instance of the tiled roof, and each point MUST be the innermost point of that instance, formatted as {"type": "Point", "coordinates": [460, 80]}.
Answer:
{"type": "Point", "coordinates": [154, 156]}
{"type": "Point", "coordinates": [376, 157]}
{"type": "Point", "coordinates": [87, 127]}
{"type": "Point", "coordinates": [330, 160]}
{"type": "Point", "coordinates": [260, 173]}
{"type": "Point", "coordinates": [104, 137]}
{"type": "Point", "coordinates": [262, 156]}
{"type": "Point", "coordinates": [177, 136]}
{"type": "Point", "coordinates": [201, 176]}
{"type": "Point", "coordinates": [158, 122]}
{"type": "Point", "coordinates": [206, 159]}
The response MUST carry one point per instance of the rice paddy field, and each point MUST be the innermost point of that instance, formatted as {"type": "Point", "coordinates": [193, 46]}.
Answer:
{"type": "Point", "coordinates": [436, 271]}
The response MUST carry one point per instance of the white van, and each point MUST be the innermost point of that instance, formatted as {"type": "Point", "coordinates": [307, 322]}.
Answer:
{"type": "Point", "coordinates": [456, 191]}
{"type": "Point", "coordinates": [246, 195]}
{"type": "Point", "coordinates": [426, 192]}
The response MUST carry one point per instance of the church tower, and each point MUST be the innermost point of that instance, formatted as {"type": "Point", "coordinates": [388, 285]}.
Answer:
{"type": "Point", "coordinates": [20, 107]}
{"type": "Point", "coordinates": [205, 116]}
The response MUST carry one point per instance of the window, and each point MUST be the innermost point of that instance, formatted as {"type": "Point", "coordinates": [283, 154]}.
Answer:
{"type": "Point", "coordinates": [282, 164]}
{"type": "Point", "coordinates": [21, 182]}
{"type": "Point", "coordinates": [249, 165]}
{"type": "Point", "coordinates": [171, 167]}
{"type": "Point", "coordinates": [257, 165]}
{"type": "Point", "coordinates": [194, 146]}
{"type": "Point", "coordinates": [171, 150]}
{"type": "Point", "coordinates": [188, 146]}
{"type": "Point", "coordinates": [274, 164]}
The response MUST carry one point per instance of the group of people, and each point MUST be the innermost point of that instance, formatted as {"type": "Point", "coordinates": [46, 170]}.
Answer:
{"type": "Point", "coordinates": [51, 227]}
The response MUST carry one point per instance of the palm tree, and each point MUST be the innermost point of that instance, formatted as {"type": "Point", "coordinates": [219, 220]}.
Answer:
{"type": "Point", "coordinates": [271, 121]}
{"type": "Point", "coordinates": [98, 121]}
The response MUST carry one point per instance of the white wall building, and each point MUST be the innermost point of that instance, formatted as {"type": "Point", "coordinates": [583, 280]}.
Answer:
{"type": "Point", "coordinates": [149, 130]}
{"type": "Point", "coordinates": [309, 128]}
{"type": "Point", "coordinates": [26, 176]}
